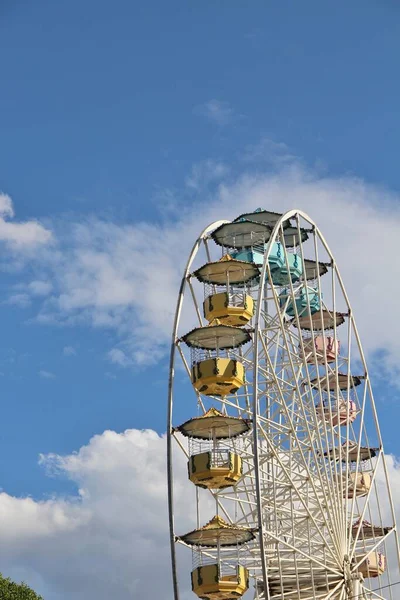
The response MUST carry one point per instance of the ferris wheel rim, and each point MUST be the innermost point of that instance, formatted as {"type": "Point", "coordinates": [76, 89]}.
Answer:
{"type": "Point", "coordinates": [170, 493]}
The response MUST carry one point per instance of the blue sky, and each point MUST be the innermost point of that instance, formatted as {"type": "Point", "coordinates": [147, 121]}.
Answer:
{"type": "Point", "coordinates": [120, 124]}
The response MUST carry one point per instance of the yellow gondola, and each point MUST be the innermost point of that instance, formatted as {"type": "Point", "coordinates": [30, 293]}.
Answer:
{"type": "Point", "coordinates": [214, 371]}
{"type": "Point", "coordinates": [213, 462]}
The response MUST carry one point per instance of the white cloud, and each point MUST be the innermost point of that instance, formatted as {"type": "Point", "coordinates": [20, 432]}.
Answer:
{"type": "Point", "coordinates": [46, 374]}
{"type": "Point", "coordinates": [126, 277]}
{"type": "Point", "coordinates": [216, 111]}
{"type": "Point", "coordinates": [69, 351]}
{"type": "Point", "coordinates": [118, 277]}
{"type": "Point", "coordinates": [111, 539]}
{"type": "Point", "coordinates": [22, 235]}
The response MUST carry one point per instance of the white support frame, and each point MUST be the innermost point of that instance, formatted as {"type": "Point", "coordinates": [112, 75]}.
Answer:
{"type": "Point", "coordinates": [300, 503]}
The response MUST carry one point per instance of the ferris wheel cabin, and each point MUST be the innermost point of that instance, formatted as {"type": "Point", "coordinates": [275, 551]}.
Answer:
{"type": "Point", "coordinates": [321, 349]}
{"type": "Point", "coordinates": [216, 580]}
{"type": "Point", "coordinates": [216, 369]}
{"type": "Point", "coordinates": [226, 283]}
{"type": "Point", "coordinates": [214, 454]}
{"type": "Point", "coordinates": [338, 412]}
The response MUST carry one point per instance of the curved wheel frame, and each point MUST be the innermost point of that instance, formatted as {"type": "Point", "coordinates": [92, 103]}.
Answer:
{"type": "Point", "coordinates": [202, 238]}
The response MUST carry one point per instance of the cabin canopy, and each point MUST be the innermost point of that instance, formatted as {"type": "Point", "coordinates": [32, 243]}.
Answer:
{"type": "Point", "coordinates": [350, 451]}
{"type": "Point", "coordinates": [321, 320]}
{"type": "Point", "coordinates": [314, 268]}
{"type": "Point", "coordinates": [260, 215]}
{"type": "Point", "coordinates": [218, 532]}
{"type": "Point", "coordinates": [216, 336]}
{"type": "Point", "coordinates": [241, 234]}
{"type": "Point", "coordinates": [227, 271]}
{"type": "Point", "coordinates": [342, 380]}
{"type": "Point", "coordinates": [221, 426]}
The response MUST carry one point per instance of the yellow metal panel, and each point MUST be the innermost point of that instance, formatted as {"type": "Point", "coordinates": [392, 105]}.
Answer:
{"type": "Point", "coordinates": [204, 474]}
{"type": "Point", "coordinates": [218, 376]}
{"type": "Point", "coordinates": [207, 583]}
{"type": "Point", "coordinates": [217, 306]}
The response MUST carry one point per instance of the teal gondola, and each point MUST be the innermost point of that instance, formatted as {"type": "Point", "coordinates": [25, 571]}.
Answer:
{"type": "Point", "coordinates": [277, 262]}
{"type": "Point", "coordinates": [306, 298]}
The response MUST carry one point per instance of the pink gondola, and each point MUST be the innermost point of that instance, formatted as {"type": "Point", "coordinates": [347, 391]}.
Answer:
{"type": "Point", "coordinates": [342, 412]}
{"type": "Point", "coordinates": [332, 348]}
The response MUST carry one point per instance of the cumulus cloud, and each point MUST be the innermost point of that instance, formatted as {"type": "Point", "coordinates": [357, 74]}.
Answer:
{"type": "Point", "coordinates": [20, 235]}
{"type": "Point", "coordinates": [111, 539]}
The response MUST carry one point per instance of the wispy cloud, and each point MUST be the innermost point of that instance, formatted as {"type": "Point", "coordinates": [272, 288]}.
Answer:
{"type": "Point", "coordinates": [268, 152]}
{"type": "Point", "coordinates": [94, 284]}
{"type": "Point", "coordinates": [217, 111]}
{"type": "Point", "coordinates": [40, 288]}
{"type": "Point", "coordinates": [69, 351]}
{"type": "Point", "coordinates": [46, 374]}
{"type": "Point", "coordinates": [20, 300]}
{"type": "Point", "coordinates": [119, 357]}
{"type": "Point", "coordinates": [109, 375]}
{"type": "Point", "coordinates": [206, 172]}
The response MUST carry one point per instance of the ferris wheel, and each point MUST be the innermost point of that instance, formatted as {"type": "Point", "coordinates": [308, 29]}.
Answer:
{"type": "Point", "coordinates": [280, 430]}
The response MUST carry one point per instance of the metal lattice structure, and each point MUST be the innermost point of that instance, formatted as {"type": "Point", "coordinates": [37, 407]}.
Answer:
{"type": "Point", "coordinates": [286, 439]}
